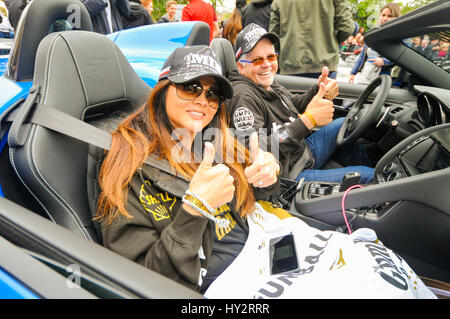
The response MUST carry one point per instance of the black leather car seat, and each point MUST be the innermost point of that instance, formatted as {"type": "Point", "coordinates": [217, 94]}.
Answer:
{"type": "Point", "coordinates": [85, 75]}
{"type": "Point", "coordinates": [36, 21]}
{"type": "Point", "coordinates": [225, 54]}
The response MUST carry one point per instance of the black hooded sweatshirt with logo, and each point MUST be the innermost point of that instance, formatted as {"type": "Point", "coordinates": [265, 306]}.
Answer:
{"type": "Point", "coordinates": [273, 112]}
{"type": "Point", "coordinates": [164, 237]}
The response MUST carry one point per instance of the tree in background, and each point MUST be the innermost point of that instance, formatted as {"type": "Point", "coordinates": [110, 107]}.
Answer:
{"type": "Point", "coordinates": [414, 4]}
{"type": "Point", "coordinates": [366, 12]}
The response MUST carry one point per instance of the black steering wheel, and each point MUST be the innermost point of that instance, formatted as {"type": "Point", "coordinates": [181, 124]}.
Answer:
{"type": "Point", "coordinates": [361, 115]}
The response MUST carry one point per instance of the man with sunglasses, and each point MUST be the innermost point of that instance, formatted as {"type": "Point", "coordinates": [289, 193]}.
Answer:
{"type": "Point", "coordinates": [285, 120]}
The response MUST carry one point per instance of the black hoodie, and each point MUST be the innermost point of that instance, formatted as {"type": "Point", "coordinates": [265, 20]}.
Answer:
{"type": "Point", "coordinates": [138, 16]}
{"type": "Point", "coordinates": [164, 237]}
{"type": "Point", "coordinates": [274, 113]}
{"type": "Point", "coordinates": [257, 11]}
{"type": "Point", "coordinates": [96, 9]}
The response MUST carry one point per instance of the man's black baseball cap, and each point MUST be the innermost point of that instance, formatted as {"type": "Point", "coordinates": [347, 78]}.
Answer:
{"type": "Point", "coordinates": [187, 64]}
{"type": "Point", "coordinates": [250, 36]}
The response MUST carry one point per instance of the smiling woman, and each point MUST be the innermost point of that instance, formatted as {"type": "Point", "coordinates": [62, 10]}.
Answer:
{"type": "Point", "coordinates": [157, 219]}
{"type": "Point", "coordinates": [197, 109]}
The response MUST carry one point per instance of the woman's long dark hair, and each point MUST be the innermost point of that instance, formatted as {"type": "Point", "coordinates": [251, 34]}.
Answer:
{"type": "Point", "coordinates": [141, 134]}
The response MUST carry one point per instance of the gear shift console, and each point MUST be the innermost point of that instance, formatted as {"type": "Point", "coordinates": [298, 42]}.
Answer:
{"type": "Point", "coordinates": [349, 180]}
{"type": "Point", "coordinates": [317, 189]}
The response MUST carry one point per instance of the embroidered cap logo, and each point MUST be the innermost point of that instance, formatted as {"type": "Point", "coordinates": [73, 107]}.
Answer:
{"type": "Point", "coordinates": [253, 35]}
{"type": "Point", "coordinates": [198, 62]}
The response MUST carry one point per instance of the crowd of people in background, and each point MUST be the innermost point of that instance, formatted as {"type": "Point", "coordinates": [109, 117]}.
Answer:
{"type": "Point", "coordinates": [369, 64]}
{"type": "Point", "coordinates": [233, 25]}
{"type": "Point", "coordinates": [139, 15]}
{"type": "Point", "coordinates": [294, 22]}
{"type": "Point", "coordinates": [434, 49]}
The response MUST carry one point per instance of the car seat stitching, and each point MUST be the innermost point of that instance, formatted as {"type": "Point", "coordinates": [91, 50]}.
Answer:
{"type": "Point", "coordinates": [11, 154]}
{"type": "Point", "coordinates": [47, 80]}
{"type": "Point", "coordinates": [47, 186]}
{"type": "Point", "coordinates": [86, 96]}
{"type": "Point", "coordinates": [47, 62]}
{"type": "Point", "coordinates": [120, 69]}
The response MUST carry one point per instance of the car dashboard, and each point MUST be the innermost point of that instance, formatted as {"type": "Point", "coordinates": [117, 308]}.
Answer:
{"type": "Point", "coordinates": [427, 153]}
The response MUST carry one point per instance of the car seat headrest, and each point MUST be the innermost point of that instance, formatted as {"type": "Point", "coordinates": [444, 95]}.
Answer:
{"type": "Point", "coordinates": [78, 71]}
{"type": "Point", "coordinates": [225, 54]}
{"type": "Point", "coordinates": [36, 21]}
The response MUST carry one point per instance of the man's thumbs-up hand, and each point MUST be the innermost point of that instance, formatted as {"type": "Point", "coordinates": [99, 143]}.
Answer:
{"type": "Point", "coordinates": [331, 86]}
{"type": "Point", "coordinates": [324, 76]}
{"type": "Point", "coordinates": [264, 168]}
{"type": "Point", "coordinates": [320, 109]}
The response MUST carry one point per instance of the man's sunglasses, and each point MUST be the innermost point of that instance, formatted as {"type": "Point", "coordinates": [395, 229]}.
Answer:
{"type": "Point", "coordinates": [259, 61]}
{"type": "Point", "coordinates": [192, 91]}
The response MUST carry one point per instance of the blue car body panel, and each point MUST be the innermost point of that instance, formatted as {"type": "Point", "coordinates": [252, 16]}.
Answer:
{"type": "Point", "coordinates": [147, 55]}
{"type": "Point", "coordinates": [146, 48]}
{"type": "Point", "coordinates": [10, 288]}
{"type": "Point", "coordinates": [3, 63]}
{"type": "Point", "coordinates": [12, 92]}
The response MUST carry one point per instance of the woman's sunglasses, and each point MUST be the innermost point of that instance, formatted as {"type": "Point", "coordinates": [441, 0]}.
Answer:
{"type": "Point", "coordinates": [192, 91]}
{"type": "Point", "coordinates": [258, 61]}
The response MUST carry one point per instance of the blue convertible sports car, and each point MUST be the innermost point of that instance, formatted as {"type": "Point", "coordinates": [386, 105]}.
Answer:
{"type": "Point", "coordinates": [51, 248]}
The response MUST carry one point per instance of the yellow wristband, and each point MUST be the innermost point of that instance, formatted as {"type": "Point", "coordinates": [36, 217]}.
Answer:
{"type": "Point", "coordinates": [311, 118]}
{"type": "Point", "coordinates": [196, 202]}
